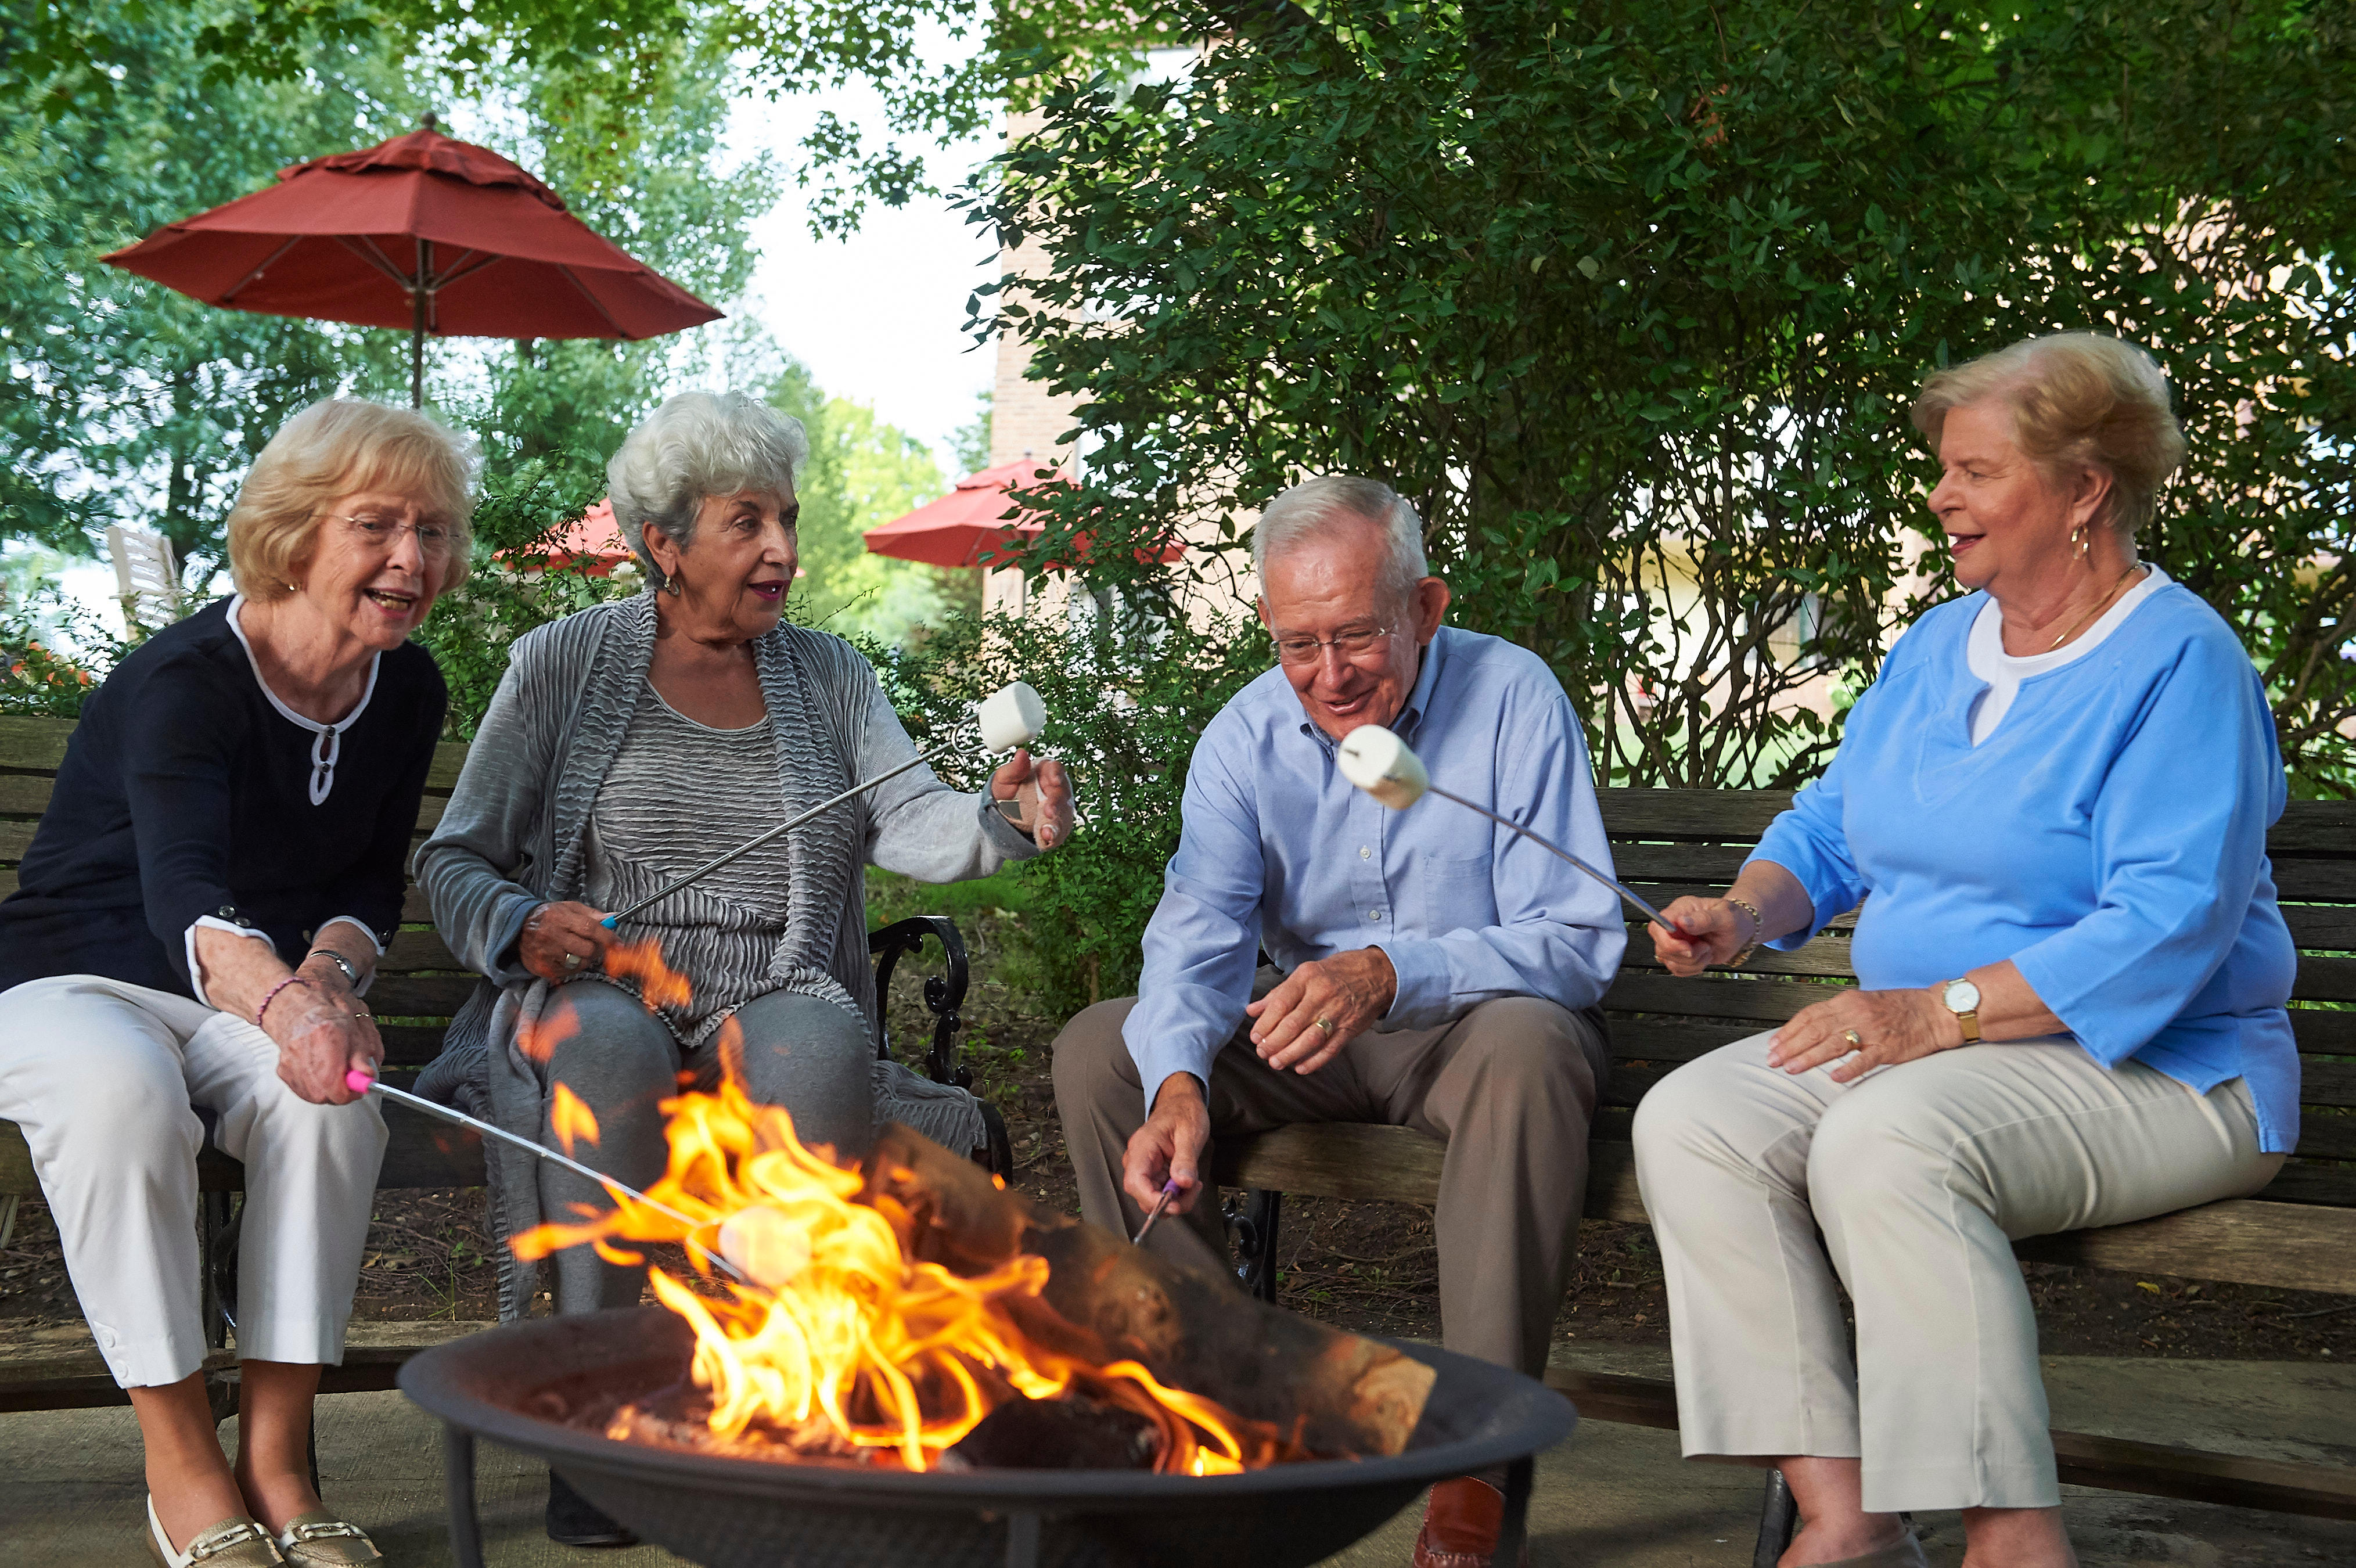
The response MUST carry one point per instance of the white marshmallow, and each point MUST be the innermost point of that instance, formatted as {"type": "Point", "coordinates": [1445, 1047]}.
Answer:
{"type": "Point", "coordinates": [764, 1246]}
{"type": "Point", "coordinates": [1379, 762]}
{"type": "Point", "coordinates": [1011, 716]}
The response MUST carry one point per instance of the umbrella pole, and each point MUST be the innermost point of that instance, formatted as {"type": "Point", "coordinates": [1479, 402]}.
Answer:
{"type": "Point", "coordinates": [418, 298]}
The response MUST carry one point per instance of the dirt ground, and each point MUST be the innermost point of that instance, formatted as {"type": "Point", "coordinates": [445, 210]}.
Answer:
{"type": "Point", "coordinates": [1365, 1266]}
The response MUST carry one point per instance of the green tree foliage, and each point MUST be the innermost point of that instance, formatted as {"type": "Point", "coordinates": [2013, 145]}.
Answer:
{"type": "Point", "coordinates": [122, 401]}
{"type": "Point", "coordinates": [861, 473]}
{"type": "Point", "coordinates": [1632, 300]}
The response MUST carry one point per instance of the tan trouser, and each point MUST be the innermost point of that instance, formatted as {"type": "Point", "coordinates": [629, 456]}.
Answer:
{"type": "Point", "coordinates": [1512, 1086]}
{"type": "Point", "coordinates": [1919, 1176]}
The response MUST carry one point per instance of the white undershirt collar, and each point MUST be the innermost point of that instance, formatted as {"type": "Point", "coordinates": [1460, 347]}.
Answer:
{"type": "Point", "coordinates": [328, 740]}
{"type": "Point", "coordinates": [2002, 672]}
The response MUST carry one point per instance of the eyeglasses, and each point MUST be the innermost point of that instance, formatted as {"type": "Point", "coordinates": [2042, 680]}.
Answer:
{"type": "Point", "coordinates": [1348, 644]}
{"type": "Point", "coordinates": [383, 533]}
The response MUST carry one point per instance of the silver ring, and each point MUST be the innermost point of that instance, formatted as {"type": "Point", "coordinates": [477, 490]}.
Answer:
{"type": "Point", "coordinates": [573, 961]}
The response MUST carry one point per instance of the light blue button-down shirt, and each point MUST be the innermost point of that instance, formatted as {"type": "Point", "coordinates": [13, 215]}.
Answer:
{"type": "Point", "coordinates": [1279, 850]}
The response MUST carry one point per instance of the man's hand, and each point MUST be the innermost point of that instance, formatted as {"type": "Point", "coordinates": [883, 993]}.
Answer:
{"type": "Point", "coordinates": [1044, 793]}
{"type": "Point", "coordinates": [1889, 1026]}
{"type": "Point", "coordinates": [1169, 1148]}
{"type": "Point", "coordinates": [1320, 1007]}
{"type": "Point", "coordinates": [555, 933]}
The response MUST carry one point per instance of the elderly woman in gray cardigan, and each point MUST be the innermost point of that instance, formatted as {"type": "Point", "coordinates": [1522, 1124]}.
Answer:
{"type": "Point", "coordinates": [626, 744]}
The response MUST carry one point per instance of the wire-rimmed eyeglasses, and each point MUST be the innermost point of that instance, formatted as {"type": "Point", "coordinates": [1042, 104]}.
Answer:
{"type": "Point", "coordinates": [379, 532]}
{"type": "Point", "coordinates": [1355, 643]}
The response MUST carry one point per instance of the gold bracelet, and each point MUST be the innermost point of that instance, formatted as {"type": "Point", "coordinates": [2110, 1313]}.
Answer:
{"type": "Point", "coordinates": [1758, 930]}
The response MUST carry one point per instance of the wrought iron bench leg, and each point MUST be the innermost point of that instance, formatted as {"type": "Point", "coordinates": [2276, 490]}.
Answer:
{"type": "Point", "coordinates": [1260, 1213]}
{"type": "Point", "coordinates": [1513, 1533]}
{"type": "Point", "coordinates": [1779, 1521]}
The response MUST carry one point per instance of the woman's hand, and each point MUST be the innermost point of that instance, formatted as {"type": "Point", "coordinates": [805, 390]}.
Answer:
{"type": "Point", "coordinates": [1044, 793]}
{"type": "Point", "coordinates": [560, 941]}
{"type": "Point", "coordinates": [1709, 932]}
{"type": "Point", "coordinates": [1872, 1028]}
{"type": "Point", "coordinates": [322, 1032]}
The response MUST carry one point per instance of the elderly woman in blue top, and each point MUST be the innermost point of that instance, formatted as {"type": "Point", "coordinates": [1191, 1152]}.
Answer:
{"type": "Point", "coordinates": [2053, 803]}
{"type": "Point", "coordinates": [194, 927]}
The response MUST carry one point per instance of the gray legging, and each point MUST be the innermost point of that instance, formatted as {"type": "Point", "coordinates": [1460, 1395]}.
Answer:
{"type": "Point", "coordinates": [801, 1052]}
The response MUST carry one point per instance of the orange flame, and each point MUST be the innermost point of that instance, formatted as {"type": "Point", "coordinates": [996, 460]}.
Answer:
{"type": "Point", "coordinates": [538, 1041]}
{"type": "Point", "coordinates": [843, 1343]}
{"type": "Point", "coordinates": [660, 985]}
{"type": "Point", "coordinates": [569, 1117]}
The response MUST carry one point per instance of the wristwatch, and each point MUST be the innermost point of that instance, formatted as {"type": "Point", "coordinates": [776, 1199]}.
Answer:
{"type": "Point", "coordinates": [1962, 998]}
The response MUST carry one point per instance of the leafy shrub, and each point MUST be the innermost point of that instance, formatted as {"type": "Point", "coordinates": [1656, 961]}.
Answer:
{"type": "Point", "coordinates": [1125, 704]}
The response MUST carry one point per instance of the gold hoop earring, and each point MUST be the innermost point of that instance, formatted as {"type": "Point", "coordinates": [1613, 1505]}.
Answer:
{"type": "Point", "coordinates": [670, 584]}
{"type": "Point", "coordinates": [2078, 537]}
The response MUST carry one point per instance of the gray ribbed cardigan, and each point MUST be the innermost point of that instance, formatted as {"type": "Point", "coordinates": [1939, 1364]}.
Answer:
{"type": "Point", "coordinates": [513, 837]}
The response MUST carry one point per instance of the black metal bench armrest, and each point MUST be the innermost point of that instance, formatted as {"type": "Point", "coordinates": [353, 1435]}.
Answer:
{"type": "Point", "coordinates": [944, 993]}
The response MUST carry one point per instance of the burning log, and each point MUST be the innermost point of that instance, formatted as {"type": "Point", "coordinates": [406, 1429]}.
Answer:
{"type": "Point", "coordinates": [890, 1316]}
{"type": "Point", "coordinates": [1106, 1301]}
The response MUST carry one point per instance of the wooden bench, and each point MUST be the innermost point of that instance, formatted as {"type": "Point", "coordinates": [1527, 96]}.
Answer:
{"type": "Point", "coordinates": [419, 986]}
{"type": "Point", "coordinates": [2300, 1234]}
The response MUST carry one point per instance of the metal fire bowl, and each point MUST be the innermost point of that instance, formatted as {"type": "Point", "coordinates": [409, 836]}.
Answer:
{"type": "Point", "coordinates": [727, 1512]}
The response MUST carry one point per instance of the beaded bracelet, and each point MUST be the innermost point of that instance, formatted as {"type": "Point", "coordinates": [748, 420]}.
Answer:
{"type": "Point", "coordinates": [271, 995]}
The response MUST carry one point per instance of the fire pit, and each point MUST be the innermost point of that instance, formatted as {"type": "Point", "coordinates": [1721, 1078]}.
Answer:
{"type": "Point", "coordinates": [730, 1512]}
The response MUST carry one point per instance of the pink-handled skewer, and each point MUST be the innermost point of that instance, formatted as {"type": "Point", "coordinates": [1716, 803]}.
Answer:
{"type": "Point", "coordinates": [360, 1082]}
{"type": "Point", "coordinates": [1168, 1191]}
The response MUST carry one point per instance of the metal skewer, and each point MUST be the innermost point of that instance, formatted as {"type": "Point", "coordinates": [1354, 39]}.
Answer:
{"type": "Point", "coordinates": [1011, 718]}
{"type": "Point", "coordinates": [1614, 882]}
{"type": "Point", "coordinates": [1168, 1191]}
{"type": "Point", "coordinates": [360, 1083]}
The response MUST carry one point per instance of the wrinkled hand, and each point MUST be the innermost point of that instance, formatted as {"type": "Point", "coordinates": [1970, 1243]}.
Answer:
{"type": "Point", "coordinates": [554, 931]}
{"type": "Point", "coordinates": [1169, 1148]}
{"type": "Point", "coordinates": [1348, 991]}
{"type": "Point", "coordinates": [1709, 932]}
{"type": "Point", "coordinates": [322, 1032]}
{"type": "Point", "coordinates": [1895, 1027]}
{"type": "Point", "coordinates": [1042, 791]}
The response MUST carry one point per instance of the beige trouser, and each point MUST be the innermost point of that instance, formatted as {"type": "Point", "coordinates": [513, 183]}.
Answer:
{"type": "Point", "coordinates": [102, 1076]}
{"type": "Point", "coordinates": [1511, 1086]}
{"type": "Point", "coordinates": [1919, 1176]}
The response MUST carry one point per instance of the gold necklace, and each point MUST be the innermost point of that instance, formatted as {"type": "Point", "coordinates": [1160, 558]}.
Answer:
{"type": "Point", "coordinates": [2079, 625]}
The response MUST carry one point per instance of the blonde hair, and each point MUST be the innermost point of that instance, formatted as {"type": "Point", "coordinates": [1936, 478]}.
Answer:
{"type": "Point", "coordinates": [2078, 399]}
{"type": "Point", "coordinates": [335, 448]}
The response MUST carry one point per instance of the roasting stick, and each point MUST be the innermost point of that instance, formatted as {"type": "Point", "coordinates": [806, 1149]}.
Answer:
{"type": "Point", "coordinates": [1380, 763]}
{"type": "Point", "coordinates": [1168, 1191]}
{"type": "Point", "coordinates": [361, 1084]}
{"type": "Point", "coordinates": [1011, 716]}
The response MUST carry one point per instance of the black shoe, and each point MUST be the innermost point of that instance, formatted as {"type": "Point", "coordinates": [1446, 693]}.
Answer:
{"type": "Point", "coordinates": [575, 1520]}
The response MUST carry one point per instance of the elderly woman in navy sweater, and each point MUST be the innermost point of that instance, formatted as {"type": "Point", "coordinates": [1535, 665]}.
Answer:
{"type": "Point", "coordinates": [2054, 803]}
{"type": "Point", "coordinates": [195, 925]}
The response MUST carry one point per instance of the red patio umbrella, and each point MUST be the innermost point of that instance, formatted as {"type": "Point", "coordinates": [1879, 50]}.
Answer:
{"type": "Point", "coordinates": [969, 526]}
{"type": "Point", "coordinates": [422, 232]}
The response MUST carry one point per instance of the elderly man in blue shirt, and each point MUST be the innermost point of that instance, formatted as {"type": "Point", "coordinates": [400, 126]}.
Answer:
{"type": "Point", "coordinates": [1429, 968]}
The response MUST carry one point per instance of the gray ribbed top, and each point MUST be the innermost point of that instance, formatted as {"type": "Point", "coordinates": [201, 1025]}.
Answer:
{"type": "Point", "coordinates": [677, 793]}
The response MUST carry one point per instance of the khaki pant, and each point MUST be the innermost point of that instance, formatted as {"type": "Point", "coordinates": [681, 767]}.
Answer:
{"type": "Point", "coordinates": [1511, 1086]}
{"type": "Point", "coordinates": [1919, 1176]}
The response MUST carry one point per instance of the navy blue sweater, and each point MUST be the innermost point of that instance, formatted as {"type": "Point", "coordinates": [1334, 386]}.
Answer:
{"type": "Point", "coordinates": [185, 792]}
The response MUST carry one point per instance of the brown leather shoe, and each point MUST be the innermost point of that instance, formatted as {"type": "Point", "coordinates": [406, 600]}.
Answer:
{"type": "Point", "coordinates": [1460, 1525]}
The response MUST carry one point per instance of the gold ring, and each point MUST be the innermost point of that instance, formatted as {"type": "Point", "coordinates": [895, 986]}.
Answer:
{"type": "Point", "coordinates": [1326, 1024]}
{"type": "Point", "coordinates": [1854, 1038]}
{"type": "Point", "coordinates": [362, 1015]}
{"type": "Point", "coordinates": [573, 961]}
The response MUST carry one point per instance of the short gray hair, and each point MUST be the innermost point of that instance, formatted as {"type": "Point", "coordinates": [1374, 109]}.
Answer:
{"type": "Point", "coordinates": [1314, 505]}
{"type": "Point", "coordinates": [695, 446]}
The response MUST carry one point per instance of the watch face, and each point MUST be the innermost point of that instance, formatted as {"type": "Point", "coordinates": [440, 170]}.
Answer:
{"type": "Point", "coordinates": [1961, 996]}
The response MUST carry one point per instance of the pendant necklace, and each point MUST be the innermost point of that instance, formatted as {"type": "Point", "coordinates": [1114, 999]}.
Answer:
{"type": "Point", "coordinates": [2081, 624]}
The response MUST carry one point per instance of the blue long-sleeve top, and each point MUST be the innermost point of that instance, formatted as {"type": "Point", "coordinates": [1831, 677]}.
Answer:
{"type": "Point", "coordinates": [2108, 837]}
{"type": "Point", "coordinates": [1277, 849]}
